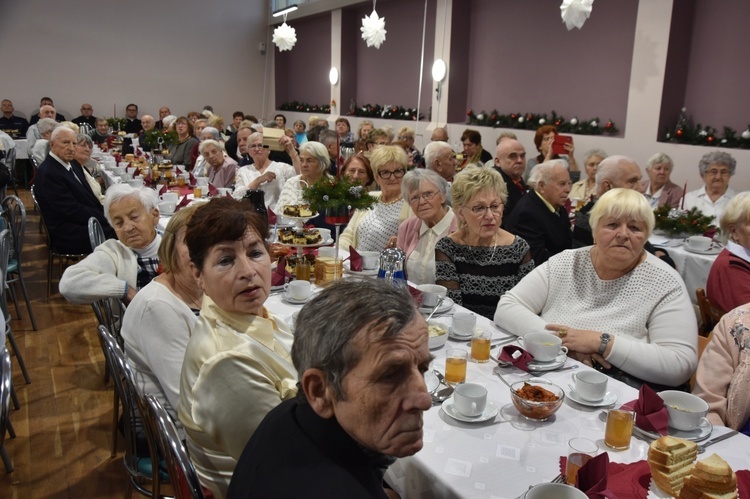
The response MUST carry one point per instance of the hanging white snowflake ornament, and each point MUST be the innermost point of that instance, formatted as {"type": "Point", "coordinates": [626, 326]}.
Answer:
{"type": "Point", "coordinates": [575, 12]}
{"type": "Point", "coordinates": [373, 29]}
{"type": "Point", "coordinates": [284, 37]}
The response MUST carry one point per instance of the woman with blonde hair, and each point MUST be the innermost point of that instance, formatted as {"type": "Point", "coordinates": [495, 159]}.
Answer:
{"type": "Point", "coordinates": [480, 261]}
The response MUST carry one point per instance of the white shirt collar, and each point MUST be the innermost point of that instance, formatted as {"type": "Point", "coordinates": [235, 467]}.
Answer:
{"type": "Point", "coordinates": [59, 160]}
{"type": "Point", "coordinates": [439, 227]}
{"type": "Point", "coordinates": [739, 251]}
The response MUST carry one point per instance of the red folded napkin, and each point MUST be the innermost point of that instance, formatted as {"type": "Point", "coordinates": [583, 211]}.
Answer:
{"type": "Point", "coordinates": [163, 189]}
{"type": "Point", "coordinates": [136, 172]}
{"type": "Point", "coordinates": [711, 232]}
{"type": "Point", "coordinates": [138, 152]}
{"type": "Point", "coordinates": [229, 195]}
{"type": "Point", "coordinates": [743, 482]}
{"type": "Point", "coordinates": [520, 361]}
{"type": "Point", "coordinates": [280, 276]}
{"type": "Point", "coordinates": [355, 260]}
{"type": "Point", "coordinates": [183, 202]}
{"type": "Point", "coordinates": [415, 294]}
{"type": "Point", "coordinates": [147, 181]}
{"type": "Point", "coordinates": [212, 191]}
{"type": "Point", "coordinates": [178, 171]}
{"type": "Point", "coordinates": [193, 182]}
{"type": "Point", "coordinates": [620, 480]}
{"type": "Point", "coordinates": [650, 413]}
{"type": "Point", "coordinates": [592, 477]}
{"type": "Point", "coordinates": [271, 216]}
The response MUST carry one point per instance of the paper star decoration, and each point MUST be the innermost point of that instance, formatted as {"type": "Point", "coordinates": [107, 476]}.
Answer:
{"type": "Point", "coordinates": [575, 12]}
{"type": "Point", "coordinates": [284, 37]}
{"type": "Point", "coordinates": [373, 29]}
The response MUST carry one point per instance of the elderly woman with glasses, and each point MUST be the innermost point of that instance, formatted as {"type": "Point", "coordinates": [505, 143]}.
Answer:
{"type": "Point", "coordinates": [480, 261]}
{"type": "Point", "coordinates": [264, 174]}
{"type": "Point", "coordinates": [377, 228]}
{"type": "Point", "coordinates": [426, 192]}
{"type": "Point", "coordinates": [715, 168]}
{"type": "Point", "coordinates": [179, 153]}
{"type": "Point", "coordinates": [220, 168]}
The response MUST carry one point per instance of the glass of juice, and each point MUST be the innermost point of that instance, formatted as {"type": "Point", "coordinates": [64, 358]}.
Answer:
{"type": "Point", "coordinates": [619, 428]}
{"type": "Point", "coordinates": [455, 366]}
{"type": "Point", "coordinates": [480, 346]}
{"type": "Point", "coordinates": [580, 452]}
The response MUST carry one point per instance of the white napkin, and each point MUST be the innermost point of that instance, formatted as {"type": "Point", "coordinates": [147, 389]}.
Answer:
{"type": "Point", "coordinates": [575, 12]}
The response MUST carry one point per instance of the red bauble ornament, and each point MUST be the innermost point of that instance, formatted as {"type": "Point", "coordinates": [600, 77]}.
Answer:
{"type": "Point", "coordinates": [710, 139]}
{"type": "Point", "coordinates": [679, 132]}
{"type": "Point", "coordinates": [468, 113]}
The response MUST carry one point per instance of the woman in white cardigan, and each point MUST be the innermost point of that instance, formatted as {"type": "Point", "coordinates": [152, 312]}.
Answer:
{"type": "Point", "coordinates": [119, 268]}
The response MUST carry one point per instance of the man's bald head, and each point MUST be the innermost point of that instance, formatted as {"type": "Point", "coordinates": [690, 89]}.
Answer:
{"type": "Point", "coordinates": [617, 171]}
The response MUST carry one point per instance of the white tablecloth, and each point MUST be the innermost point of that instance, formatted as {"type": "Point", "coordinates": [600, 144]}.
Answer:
{"type": "Point", "coordinates": [496, 459]}
{"type": "Point", "coordinates": [22, 148]}
{"type": "Point", "coordinates": [693, 267]}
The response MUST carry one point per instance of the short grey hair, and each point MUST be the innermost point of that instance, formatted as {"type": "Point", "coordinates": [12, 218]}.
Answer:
{"type": "Point", "coordinates": [413, 179]}
{"type": "Point", "coordinates": [609, 168]}
{"type": "Point", "coordinates": [433, 150]}
{"type": "Point", "coordinates": [147, 197]}
{"type": "Point", "coordinates": [658, 159]}
{"type": "Point", "coordinates": [254, 136]}
{"type": "Point", "coordinates": [717, 158]}
{"type": "Point", "coordinates": [319, 152]}
{"type": "Point", "coordinates": [210, 142]}
{"type": "Point", "coordinates": [327, 137]}
{"type": "Point", "coordinates": [348, 304]}
{"type": "Point", "coordinates": [59, 130]}
{"type": "Point", "coordinates": [594, 152]}
{"type": "Point", "coordinates": [46, 125]}
{"type": "Point", "coordinates": [213, 131]}
{"type": "Point", "coordinates": [737, 211]}
{"type": "Point", "coordinates": [82, 138]}
{"type": "Point", "coordinates": [168, 120]}
{"type": "Point", "coordinates": [543, 172]}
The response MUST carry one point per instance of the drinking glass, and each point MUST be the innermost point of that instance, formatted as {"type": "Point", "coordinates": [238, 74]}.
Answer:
{"type": "Point", "coordinates": [580, 452]}
{"type": "Point", "coordinates": [455, 366]}
{"type": "Point", "coordinates": [619, 428]}
{"type": "Point", "coordinates": [480, 347]}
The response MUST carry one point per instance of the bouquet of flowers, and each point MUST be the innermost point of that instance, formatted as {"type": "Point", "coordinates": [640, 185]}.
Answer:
{"type": "Point", "coordinates": [674, 221]}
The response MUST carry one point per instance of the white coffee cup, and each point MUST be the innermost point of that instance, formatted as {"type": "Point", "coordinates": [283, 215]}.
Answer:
{"type": "Point", "coordinates": [470, 399]}
{"type": "Point", "coordinates": [327, 252]}
{"type": "Point", "coordinates": [167, 207]}
{"type": "Point", "coordinates": [590, 385]}
{"type": "Point", "coordinates": [369, 259]}
{"type": "Point", "coordinates": [298, 290]}
{"type": "Point", "coordinates": [202, 181]}
{"type": "Point", "coordinates": [431, 293]}
{"type": "Point", "coordinates": [554, 491]}
{"type": "Point", "coordinates": [136, 182]}
{"type": "Point", "coordinates": [223, 191]}
{"type": "Point", "coordinates": [686, 411]}
{"type": "Point", "coordinates": [699, 243]}
{"type": "Point", "coordinates": [464, 323]}
{"type": "Point", "coordinates": [170, 196]}
{"type": "Point", "coordinates": [544, 347]}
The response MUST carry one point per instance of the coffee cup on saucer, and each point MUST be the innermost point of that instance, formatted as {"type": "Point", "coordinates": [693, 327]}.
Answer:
{"type": "Point", "coordinates": [167, 207]}
{"type": "Point", "coordinates": [699, 243]}
{"type": "Point", "coordinates": [590, 386]}
{"type": "Point", "coordinates": [298, 290]}
{"type": "Point", "coordinates": [470, 399]}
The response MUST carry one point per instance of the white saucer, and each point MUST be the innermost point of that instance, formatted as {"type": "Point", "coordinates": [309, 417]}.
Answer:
{"type": "Point", "coordinates": [537, 366]}
{"type": "Point", "coordinates": [443, 308]}
{"type": "Point", "coordinates": [715, 249]}
{"type": "Point", "coordinates": [348, 270]}
{"type": "Point", "coordinates": [609, 399]}
{"type": "Point", "coordinates": [432, 381]}
{"type": "Point", "coordinates": [490, 411]}
{"type": "Point", "coordinates": [277, 288]}
{"type": "Point", "coordinates": [701, 433]}
{"type": "Point", "coordinates": [294, 301]}
{"type": "Point", "coordinates": [452, 334]}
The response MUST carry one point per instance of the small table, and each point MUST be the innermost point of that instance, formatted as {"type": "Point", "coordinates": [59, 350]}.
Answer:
{"type": "Point", "coordinates": [693, 267]}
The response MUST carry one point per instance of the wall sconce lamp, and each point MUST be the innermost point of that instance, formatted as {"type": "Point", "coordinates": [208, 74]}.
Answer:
{"type": "Point", "coordinates": [439, 70]}
{"type": "Point", "coordinates": [333, 75]}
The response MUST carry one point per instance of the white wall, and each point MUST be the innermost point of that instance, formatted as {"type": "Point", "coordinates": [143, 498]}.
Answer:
{"type": "Point", "coordinates": [184, 55]}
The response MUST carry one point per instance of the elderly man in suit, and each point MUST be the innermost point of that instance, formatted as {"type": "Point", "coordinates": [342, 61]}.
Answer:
{"type": "Point", "coordinates": [510, 161]}
{"type": "Point", "coordinates": [540, 216]}
{"type": "Point", "coordinates": [65, 198]}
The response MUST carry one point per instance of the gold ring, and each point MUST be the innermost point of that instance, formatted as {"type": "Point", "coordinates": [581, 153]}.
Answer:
{"type": "Point", "coordinates": [562, 333]}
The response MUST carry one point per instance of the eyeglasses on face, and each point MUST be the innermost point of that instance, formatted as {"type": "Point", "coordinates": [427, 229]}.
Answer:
{"type": "Point", "coordinates": [257, 146]}
{"type": "Point", "coordinates": [717, 173]}
{"type": "Point", "coordinates": [495, 208]}
{"type": "Point", "coordinates": [427, 196]}
{"type": "Point", "coordinates": [386, 174]}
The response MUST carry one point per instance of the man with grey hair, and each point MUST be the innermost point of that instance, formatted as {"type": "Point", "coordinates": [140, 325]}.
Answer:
{"type": "Point", "coordinates": [47, 101]}
{"type": "Point", "coordinates": [86, 118]}
{"type": "Point", "coordinates": [149, 124]}
{"type": "Point", "coordinates": [329, 139]}
{"type": "Point", "coordinates": [439, 157]}
{"type": "Point", "coordinates": [360, 401]}
{"type": "Point", "coordinates": [65, 197]}
{"type": "Point", "coordinates": [163, 113]}
{"type": "Point", "coordinates": [510, 161]}
{"type": "Point", "coordinates": [33, 134]}
{"type": "Point", "coordinates": [540, 217]}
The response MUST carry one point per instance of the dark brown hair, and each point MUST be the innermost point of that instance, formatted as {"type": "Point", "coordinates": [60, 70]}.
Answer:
{"type": "Point", "coordinates": [362, 159]}
{"type": "Point", "coordinates": [541, 132]}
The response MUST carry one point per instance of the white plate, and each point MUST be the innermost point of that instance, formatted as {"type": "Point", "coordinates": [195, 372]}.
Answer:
{"type": "Point", "coordinates": [456, 336]}
{"type": "Point", "coordinates": [443, 308]}
{"type": "Point", "coordinates": [609, 399]}
{"type": "Point", "coordinates": [315, 214]}
{"type": "Point", "coordinates": [293, 301]}
{"type": "Point", "coordinates": [327, 242]}
{"type": "Point", "coordinates": [701, 433]}
{"type": "Point", "coordinates": [715, 249]}
{"type": "Point", "coordinates": [277, 288]}
{"type": "Point", "coordinates": [348, 270]}
{"type": "Point", "coordinates": [536, 366]}
{"type": "Point", "coordinates": [490, 411]}
{"type": "Point", "coordinates": [432, 382]}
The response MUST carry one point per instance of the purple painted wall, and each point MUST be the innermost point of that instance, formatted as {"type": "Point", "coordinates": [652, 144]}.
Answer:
{"type": "Point", "coordinates": [718, 78]}
{"type": "Point", "coordinates": [522, 58]}
{"type": "Point", "coordinates": [302, 73]}
{"type": "Point", "coordinates": [678, 59]}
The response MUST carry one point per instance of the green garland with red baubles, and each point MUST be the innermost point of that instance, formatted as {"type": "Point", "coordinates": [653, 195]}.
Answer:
{"type": "Point", "coordinates": [532, 121]}
{"type": "Point", "coordinates": [685, 132]}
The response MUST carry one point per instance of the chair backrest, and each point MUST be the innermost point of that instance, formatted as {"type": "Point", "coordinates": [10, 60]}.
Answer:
{"type": "Point", "coordinates": [182, 474]}
{"type": "Point", "coordinates": [96, 233]}
{"type": "Point", "coordinates": [702, 344]}
{"type": "Point", "coordinates": [109, 313]}
{"type": "Point", "coordinates": [15, 212]}
{"type": "Point", "coordinates": [710, 313]}
{"type": "Point", "coordinates": [4, 256]}
{"type": "Point", "coordinates": [131, 412]}
{"type": "Point", "coordinates": [33, 161]}
{"type": "Point", "coordinates": [5, 374]}
{"type": "Point", "coordinates": [41, 218]}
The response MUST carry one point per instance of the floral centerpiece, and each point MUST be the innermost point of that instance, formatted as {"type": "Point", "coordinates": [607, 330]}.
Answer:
{"type": "Point", "coordinates": [678, 222]}
{"type": "Point", "coordinates": [152, 137]}
{"type": "Point", "coordinates": [337, 197]}
{"type": "Point", "coordinates": [117, 124]}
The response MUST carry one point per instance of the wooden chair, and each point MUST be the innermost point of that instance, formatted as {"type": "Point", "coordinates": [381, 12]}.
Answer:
{"type": "Point", "coordinates": [710, 313]}
{"type": "Point", "coordinates": [702, 344]}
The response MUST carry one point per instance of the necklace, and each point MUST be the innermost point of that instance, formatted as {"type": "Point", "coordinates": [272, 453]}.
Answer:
{"type": "Point", "coordinates": [390, 202]}
{"type": "Point", "coordinates": [186, 296]}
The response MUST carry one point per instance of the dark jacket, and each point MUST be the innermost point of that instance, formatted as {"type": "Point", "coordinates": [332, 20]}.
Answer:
{"type": "Point", "coordinates": [547, 233]}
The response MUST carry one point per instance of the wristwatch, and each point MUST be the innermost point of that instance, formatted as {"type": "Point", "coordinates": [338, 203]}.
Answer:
{"type": "Point", "coordinates": [605, 339]}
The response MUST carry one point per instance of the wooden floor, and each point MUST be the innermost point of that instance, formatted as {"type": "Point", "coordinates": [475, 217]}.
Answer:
{"type": "Point", "coordinates": [63, 442]}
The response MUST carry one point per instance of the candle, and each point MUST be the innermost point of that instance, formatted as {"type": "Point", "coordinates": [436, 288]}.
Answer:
{"type": "Point", "coordinates": [684, 191]}
{"type": "Point", "coordinates": [114, 110]}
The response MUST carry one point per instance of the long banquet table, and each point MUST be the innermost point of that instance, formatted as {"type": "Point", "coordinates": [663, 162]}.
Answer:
{"type": "Point", "coordinates": [693, 267]}
{"type": "Point", "coordinates": [503, 457]}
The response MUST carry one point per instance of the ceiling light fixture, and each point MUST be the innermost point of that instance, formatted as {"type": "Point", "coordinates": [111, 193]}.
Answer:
{"type": "Point", "coordinates": [285, 10]}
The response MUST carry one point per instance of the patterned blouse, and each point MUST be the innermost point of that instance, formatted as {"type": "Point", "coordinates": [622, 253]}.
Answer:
{"type": "Point", "coordinates": [378, 226]}
{"type": "Point", "coordinates": [477, 276]}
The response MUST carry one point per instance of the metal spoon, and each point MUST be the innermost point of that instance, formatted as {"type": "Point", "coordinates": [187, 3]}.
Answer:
{"type": "Point", "coordinates": [440, 302]}
{"type": "Point", "coordinates": [440, 396]}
